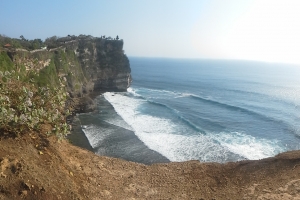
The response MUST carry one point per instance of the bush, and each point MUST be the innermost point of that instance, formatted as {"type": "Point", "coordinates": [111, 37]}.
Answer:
{"type": "Point", "coordinates": [24, 107]}
{"type": "Point", "coordinates": [5, 62]}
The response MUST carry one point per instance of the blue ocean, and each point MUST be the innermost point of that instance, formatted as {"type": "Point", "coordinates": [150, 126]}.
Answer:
{"type": "Point", "coordinates": [206, 110]}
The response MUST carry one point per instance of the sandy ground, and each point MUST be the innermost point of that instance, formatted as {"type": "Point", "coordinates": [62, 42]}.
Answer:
{"type": "Point", "coordinates": [37, 167]}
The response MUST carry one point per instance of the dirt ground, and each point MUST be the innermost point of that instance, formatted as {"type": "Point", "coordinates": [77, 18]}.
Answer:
{"type": "Point", "coordinates": [37, 167]}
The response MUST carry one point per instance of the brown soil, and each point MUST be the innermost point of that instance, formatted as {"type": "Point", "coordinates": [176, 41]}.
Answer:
{"type": "Point", "coordinates": [36, 167]}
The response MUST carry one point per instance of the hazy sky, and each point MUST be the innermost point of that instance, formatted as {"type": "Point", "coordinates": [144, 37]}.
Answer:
{"type": "Point", "coordinates": [265, 30]}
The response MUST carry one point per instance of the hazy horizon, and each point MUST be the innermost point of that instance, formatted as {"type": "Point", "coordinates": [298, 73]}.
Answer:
{"type": "Point", "coordinates": [253, 30]}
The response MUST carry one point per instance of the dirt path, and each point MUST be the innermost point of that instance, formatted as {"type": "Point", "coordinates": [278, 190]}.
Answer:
{"type": "Point", "coordinates": [34, 167]}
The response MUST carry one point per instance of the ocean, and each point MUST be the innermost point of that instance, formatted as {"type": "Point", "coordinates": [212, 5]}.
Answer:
{"type": "Point", "coordinates": [206, 110]}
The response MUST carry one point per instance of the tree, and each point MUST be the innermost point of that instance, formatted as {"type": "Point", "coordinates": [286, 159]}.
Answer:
{"type": "Point", "coordinates": [117, 37]}
{"type": "Point", "coordinates": [22, 38]}
{"type": "Point", "coordinates": [51, 42]}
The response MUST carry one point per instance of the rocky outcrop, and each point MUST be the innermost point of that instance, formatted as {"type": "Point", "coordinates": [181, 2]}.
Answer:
{"type": "Point", "coordinates": [89, 64]}
{"type": "Point", "coordinates": [104, 63]}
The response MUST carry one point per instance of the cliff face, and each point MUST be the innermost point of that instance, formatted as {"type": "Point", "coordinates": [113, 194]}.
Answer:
{"type": "Point", "coordinates": [88, 64]}
{"type": "Point", "coordinates": [103, 63]}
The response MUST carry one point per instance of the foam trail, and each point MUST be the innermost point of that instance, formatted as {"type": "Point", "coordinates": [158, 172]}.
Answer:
{"type": "Point", "coordinates": [165, 137]}
{"type": "Point", "coordinates": [152, 93]}
{"type": "Point", "coordinates": [119, 122]}
{"type": "Point", "coordinates": [93, 136]}
{"type": "Point", "coordinates": [248, 146]}
{"type": "Point", "coordinates": [133, 92]}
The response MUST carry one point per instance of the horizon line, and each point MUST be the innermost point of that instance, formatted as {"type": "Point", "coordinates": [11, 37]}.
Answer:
{"type": "Point", "coordinates": [220, 59]}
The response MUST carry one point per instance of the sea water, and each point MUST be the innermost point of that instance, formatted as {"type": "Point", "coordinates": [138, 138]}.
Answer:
{"type": "Point", "coordinates": [207, 110]}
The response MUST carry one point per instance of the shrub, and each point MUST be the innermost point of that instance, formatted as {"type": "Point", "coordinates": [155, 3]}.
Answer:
{"type": "Point", "coordinates": [25, 107]}
{"type": "Point", "coordinates": [5, 62]}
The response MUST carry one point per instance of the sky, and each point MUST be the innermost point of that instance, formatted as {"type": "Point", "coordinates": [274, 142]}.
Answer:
{"type": "Point", "coordinates": [261, 30]}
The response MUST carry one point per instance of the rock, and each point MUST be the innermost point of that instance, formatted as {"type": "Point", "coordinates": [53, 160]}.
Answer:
{"type": "Point", "coordinates": [86, 104]}
{"type": "Point", "coordinates": [42, 189]}
{"type": "Point", "coordinates": [3, 175]}
{"type": "Point", "coordinates": [24, 192]}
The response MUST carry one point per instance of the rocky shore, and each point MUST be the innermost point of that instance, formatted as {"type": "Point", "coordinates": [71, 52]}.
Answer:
{"type": "Point", "coordinates": [118, 144]}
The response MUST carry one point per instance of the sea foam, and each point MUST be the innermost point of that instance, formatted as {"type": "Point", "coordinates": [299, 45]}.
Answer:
{"type": "Point", "coordinates": [248, 146]}
{"type": "Point", "coordinates": [171, 140]}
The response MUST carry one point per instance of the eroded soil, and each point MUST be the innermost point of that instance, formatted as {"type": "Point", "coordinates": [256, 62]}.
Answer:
{"type": "Point", "coordinates": [37, 167]}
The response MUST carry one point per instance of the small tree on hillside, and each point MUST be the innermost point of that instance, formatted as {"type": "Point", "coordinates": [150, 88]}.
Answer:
{"type": "Point", "coordinates": [22, 38]}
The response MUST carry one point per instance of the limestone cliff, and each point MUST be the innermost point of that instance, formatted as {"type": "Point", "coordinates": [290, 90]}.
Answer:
{"type": "Point", "coordinates": [88, 64]}
{"type": "Point", "coordinates": [103, 62]}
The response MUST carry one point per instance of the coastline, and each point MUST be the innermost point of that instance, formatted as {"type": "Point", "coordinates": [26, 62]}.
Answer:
{"type": "Point", "coordinates": [120, 143]}
{"type": "Point", "coordinates": [77, 136]}
{"type": "Point", "coordinates": [38, 166]}
{"type": "Point", "coordinates": [77, 106]}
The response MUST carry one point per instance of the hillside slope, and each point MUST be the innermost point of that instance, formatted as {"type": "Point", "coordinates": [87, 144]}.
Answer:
{"type": "Point", "coordinates": [36, 167]}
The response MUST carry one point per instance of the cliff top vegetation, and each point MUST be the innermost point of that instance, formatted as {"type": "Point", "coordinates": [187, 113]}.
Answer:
{"type": "Point", "coordinates": [26, 106]}
{"type": "Point", "coordinates": [50, 42]}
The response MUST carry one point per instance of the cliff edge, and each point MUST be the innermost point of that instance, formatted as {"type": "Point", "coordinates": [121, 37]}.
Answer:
{"type": "Point", "coordinates": [39, 167]}
{"type": "Point", "coordinates": [89, 65]}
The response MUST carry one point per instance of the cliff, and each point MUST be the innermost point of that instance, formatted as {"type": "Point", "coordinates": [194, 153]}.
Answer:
{"type": "Point", "coordinates": [89, 64]}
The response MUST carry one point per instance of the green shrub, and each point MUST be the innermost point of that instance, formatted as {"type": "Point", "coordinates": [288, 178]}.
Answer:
{"type": "Point", "coordinates": [47, 76]}
{"type": "Point", "coordinates": [24, 107]}
{"type": "Point", "coordinates": [5, 62]}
